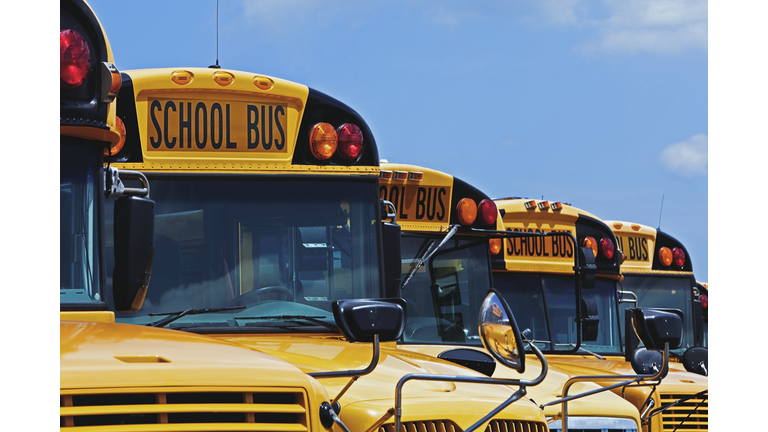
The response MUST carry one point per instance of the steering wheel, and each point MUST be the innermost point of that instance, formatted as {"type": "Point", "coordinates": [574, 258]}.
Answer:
{"type": "Point", "coordinates": [253, 296]}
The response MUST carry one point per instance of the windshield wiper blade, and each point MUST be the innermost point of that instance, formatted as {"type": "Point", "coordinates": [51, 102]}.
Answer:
{"type": "Point", "coordinates": [428, 254]}
{"type": "Point", "coordinates": [312, 319]}
{"type": "Point", "coordinates": [177, 315]}
{"type": "Point", "coordinates": [583, 349]}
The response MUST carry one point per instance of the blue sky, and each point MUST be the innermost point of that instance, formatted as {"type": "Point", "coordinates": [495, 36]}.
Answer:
{"type": "Point", "coordinates": [602, 104]}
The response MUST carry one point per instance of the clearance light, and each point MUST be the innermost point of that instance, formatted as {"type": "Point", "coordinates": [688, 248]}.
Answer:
{"type": "Point", "coordinates": [75, 59]}
{"type": "Point", "coordinates": [323, 141]}
{"type": "Point", "coordinates": [385, 175]}
{"type": "Point", "coordinates": [590, 242]}
{"type": "Point", "coordinates": [223, 78]}
{"type": "Point", "coordinates": [678, 257]}
{"type": "Point", "coordinates": [182, 77]}
{"type": "Point", "coordinates": [487, 212]}
{"type": "Point", "coordinates": [110, 81]}
{"type": "Point", "coordinates": [495, 246]}
{"type": "Point", "coordinates": [115, 148]}
{"type": "Point", "coordinates": [466, 211]}
{"type": "Point", "coordinates": [606, 248]}
{"type": "Point", "coordinates": [400, 175]}
{"type": "Point", "coordinates": [704, 301]}
{"type": "Point", "coordinates": [665, 256]}
{"type": "Point", "coordinates": [350, 141]}
{"type": "Point", "coordinates": [543, 205]}
{"type": "Point", "coordinates": [530, 205]}
{"type": "Point", "coordinates": [556, 206]}
{"type": "Point", "coordinates": [415, 176]}
{"type": "Point", "coordinates": [263, 82]}
{"type": "Point", "coordinates": [618, 225]}
{"type": "Point", "coordinates": [635, 227]}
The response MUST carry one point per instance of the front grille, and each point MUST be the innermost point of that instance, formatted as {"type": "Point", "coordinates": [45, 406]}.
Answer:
{"type": "Point", "coordinates": [515, 426]}
{"type": "Point", "coordinates": [423, 426]}
{"type": "Point", "coordinates": [282, 410]}
{"type": "Point", "coordinates": [692, 414]}
{"type": "Point", "coordinates": [449, 426]}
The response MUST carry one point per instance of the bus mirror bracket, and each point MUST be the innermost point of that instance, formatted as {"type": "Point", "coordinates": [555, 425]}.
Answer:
{"type": "Point", "coordinates": [365, 320]}
{"type": "Point", "coordinates": [589, 319]}
{"type": "Point", "coordinates": [586, 268]}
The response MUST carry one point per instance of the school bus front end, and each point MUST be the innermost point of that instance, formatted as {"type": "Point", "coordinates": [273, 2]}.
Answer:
{"type": "Point", "coordinates": [268, 213]}
{"type": "Point", "coordinates": [537, 278]}
{"type": "Point", "coordinates": [445, 276]}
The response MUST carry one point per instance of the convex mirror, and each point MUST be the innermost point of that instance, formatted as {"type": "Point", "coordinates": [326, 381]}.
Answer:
{"type": "Point", "coordinates": [500, 333]}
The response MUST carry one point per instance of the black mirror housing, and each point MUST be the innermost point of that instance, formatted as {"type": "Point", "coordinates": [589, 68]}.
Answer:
{"type": "Point", "coordinates": [360, 319]}
{"type": "Point", "coordinates": [696, 360]}
{"type": "Point", "coordinates": [134, 229]}
{"type": "Point", "coordinates": [656, 327]}
{"type": "Point", "coordinates": [587, 268]}
{"type": "Point", "coordinates": [589, 320]}
{"type": "Point", "coordinates": [470, 358]}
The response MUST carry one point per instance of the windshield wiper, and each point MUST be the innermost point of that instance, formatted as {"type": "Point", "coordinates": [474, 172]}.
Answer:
{"type": "Point", "coordinates": [583, 349]}
{"type": "Point", "coordinates": [312, 319]}
{"type": "Point", "coordinates": [177, 315]}
{"type": "Point", "coordinates": [428, 254]}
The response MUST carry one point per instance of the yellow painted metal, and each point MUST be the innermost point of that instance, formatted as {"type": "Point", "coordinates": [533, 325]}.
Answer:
{"type": "Point", "coordinates": [97, 316]}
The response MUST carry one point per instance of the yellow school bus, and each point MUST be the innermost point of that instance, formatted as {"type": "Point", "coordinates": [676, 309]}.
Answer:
{"type": "Point", "coordinates": [446, 273]}
{"type": "Point", "coordinates": [120, 377]}
{"type": "Point", "coordinates": [267, 217]}
{"type": "Point", "coordinates": [658, 272]}
{"type": "Point", "coordinates": [537, 279]}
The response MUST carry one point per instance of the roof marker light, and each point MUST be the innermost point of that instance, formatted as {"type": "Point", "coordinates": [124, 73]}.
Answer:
{"type": "Point", "coordinates": [466, 211]}
{"type": "Point", "coordinates": [323, 141]}
{"type": "Point", "coordinates": [665, 256]}
{"type": "Point", "coordinates": [618, 225]}
{"type": "Point", "coordinates": [415, 176]}
{"type": "Point", "coordinates": [74, 58]}
{"type": "Point", "coordinates": [636, 227]}
{"type": "Point", "coordinates": [385, 174]}
{"type": "Point", "coordinates": [182, 77]}
{"type": "Point", "coordinates": [223, 78]}
{"type": "Point", "coordinates": [543, 205]}
{"type": "Point", "coordinates": [678, 257]}
{"type": "Point", "coordinates": [556, 206]}
{"type": "Point", "coordinates": [400, 175]}
{"type": "Point", "coordinates": [529, 205]}
{"type": "Point", "coordinates": [350, 141]}
{"type": "Point", "coordinates": [590, 242]}
{"type": "Point", "coordinates": [262, 82]}
{"type": "Point", "coordinates": [488, 212]}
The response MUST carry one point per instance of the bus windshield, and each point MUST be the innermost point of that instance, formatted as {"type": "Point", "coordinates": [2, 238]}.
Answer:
{"type": "Point", "coordinates": [256, 253]}
{"type": "Point", "coordinates": [545, 309]}
{"type": "Point", "coordinates": [79, 244]}
{"type": "Point", "coordinates": [665, 292]}
{"type": "Point", "coordinates": [444, 296]}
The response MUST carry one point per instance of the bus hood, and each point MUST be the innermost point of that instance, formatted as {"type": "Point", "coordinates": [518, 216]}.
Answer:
{"type": "Point", "coordinates": [598, 405]}
{"type": "Point", "coordinates": [124, 355]}
{"type": "Point", "coordinates": [316, 353]}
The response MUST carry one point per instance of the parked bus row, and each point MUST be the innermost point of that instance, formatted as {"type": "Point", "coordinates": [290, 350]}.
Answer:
{"type": "Point", "coordinates": [234, 256]}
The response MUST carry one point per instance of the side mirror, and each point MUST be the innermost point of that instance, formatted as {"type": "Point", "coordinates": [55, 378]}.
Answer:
{"type": "Point", "coordinates": [695, 360]}
{"type": "Point", "coordinates": [656, 327]}
{"type": "Point", "coordinates": [361, 319]}
{"type": "Point", "coordinates": [500, 333]}
{"type": "Point", "coordinates": [470, 358]}
{"type": "Point", "coordinates": [589, 319]}
{"type": "Point", "coordinates": [587, 268]}
{"type": "Point", "coordinates": [391, 240]}
{"type": "Point", "coordinates": [134, 228]}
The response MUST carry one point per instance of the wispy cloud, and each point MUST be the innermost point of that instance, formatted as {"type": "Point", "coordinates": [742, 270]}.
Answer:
{"type": "Point", "coordinates": [687, 158]}
{"type": "Point", "coordinates": [633, 26]}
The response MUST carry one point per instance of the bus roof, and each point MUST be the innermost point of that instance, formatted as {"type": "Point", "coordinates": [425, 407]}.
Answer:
{"type": "Point", "coordinates": [641, 245]}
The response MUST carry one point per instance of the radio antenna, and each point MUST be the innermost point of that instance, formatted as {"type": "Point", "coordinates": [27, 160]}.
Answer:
{"type": "Point", "coordinates": [216, 66]}
{"type": "Point", "coordinates": [662, 208]}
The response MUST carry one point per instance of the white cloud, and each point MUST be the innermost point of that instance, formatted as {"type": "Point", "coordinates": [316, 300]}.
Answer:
{"type": "Point", "coordinates": [632, 26]}
{"type": "Point", "coordinates": [687, 158]}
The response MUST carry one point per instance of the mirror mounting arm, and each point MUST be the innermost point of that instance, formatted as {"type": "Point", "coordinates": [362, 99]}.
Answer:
{"type": "Point", "coordinates": [354, 374]}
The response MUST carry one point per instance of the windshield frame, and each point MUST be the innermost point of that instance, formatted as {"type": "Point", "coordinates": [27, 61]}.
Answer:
{"type": "Point", "coordinates": [374, 260]}
{"type": "Point", "coordinates": [95, 169]}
